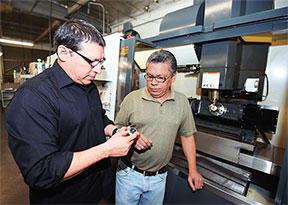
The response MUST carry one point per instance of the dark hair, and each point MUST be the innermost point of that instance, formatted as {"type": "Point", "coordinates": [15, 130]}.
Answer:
{"type": "Point", "coordinates": [73, 32]}
{"type": "Point", "coordinates": [163, 56]}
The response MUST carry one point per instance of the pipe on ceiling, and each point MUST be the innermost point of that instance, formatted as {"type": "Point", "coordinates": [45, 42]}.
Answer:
{"type": "Point", "coordinates": [103, 15]}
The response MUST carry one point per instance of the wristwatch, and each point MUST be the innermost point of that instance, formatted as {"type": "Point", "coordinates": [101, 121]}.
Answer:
{"type": "Point", "coordinates": [114, 131]}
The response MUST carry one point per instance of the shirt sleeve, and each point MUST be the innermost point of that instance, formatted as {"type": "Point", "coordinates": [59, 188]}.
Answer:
{"type": "Point", "coordinates": [187, 127]}
{"type": "Point", "coordinates": [31, 122]}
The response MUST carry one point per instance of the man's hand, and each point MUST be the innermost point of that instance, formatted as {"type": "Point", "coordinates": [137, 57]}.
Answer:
{"type": "Point", "coordinates": [196, 181]}
{"type": "Point", "coordinates": [120, 143]}
{"type": "Point", "coordinates": [142, 142]}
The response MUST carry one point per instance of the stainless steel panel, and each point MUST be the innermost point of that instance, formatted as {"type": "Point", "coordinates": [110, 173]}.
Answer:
{"type": "Point", "coordinates": [219, 190]}
{"type": "Point", "coordinates": [228, 194]}
{"type": "Point", "coordinates": [266, 158]}
{"type": "Point", "coordinates": [241, 173]}
{"type": "Point", "coordinates": [229, 177]}
{"type": "Point", "coordinates": [220, 147]}
{"type": "Point", "coordinates": [225, 179]}
{"type": "Point", "coordinates": [234, 179]}
{"type": "Point", "coordinates": [190, 16]}
{"type": "Point", "coordinates": [277, 72]}
{"type": "Point", "coordinates": [217, 10]}
{"type": "Point", "coordinates": [255, 163]}
{"type": "Point", "coordinates": [222, 181]}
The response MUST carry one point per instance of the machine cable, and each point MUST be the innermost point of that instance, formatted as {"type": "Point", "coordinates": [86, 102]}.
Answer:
{"type": "Point", "coordinates": [264, 136]}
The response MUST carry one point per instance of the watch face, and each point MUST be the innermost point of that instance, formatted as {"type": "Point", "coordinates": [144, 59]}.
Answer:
{"type": "Point", "coordinates": [132, 130]}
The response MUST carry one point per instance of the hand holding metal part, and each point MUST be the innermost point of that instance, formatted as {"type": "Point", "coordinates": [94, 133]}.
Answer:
{"type": "Point", "coordinates": [141, 141]}
{"type": "Point", "coordinates": [120, 143]}
{"type": "Point", "coordinates": [132, 130]}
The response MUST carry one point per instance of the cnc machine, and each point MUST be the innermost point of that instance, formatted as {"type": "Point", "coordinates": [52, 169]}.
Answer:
{"type": "Point", "coordinates": [234, 153]}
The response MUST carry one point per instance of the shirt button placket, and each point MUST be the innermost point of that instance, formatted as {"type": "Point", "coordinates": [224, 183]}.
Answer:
{"type": "Point", "coordinates": [162, 109]}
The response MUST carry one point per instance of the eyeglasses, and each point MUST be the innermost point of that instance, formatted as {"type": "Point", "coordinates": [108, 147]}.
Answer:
{"type": "Point", "coordinates": [92, 63]}
{"type": "Point", "coordinates": [159, 79]}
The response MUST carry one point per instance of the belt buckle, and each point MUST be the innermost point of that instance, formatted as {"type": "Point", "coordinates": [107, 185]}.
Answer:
{"type": "Point", "coordinates": [144, 172]}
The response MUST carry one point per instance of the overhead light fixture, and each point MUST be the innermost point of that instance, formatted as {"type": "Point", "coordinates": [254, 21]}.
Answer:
{"type": "Point", "coordinates": [16, 42]}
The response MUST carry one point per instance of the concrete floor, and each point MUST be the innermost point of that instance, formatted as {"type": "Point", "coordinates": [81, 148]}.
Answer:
{"type": "Point", "coordinates": [12, 187]}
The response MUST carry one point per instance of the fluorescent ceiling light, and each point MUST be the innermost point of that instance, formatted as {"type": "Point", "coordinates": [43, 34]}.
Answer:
{"type": "Point", "coordinates": [22, 43]}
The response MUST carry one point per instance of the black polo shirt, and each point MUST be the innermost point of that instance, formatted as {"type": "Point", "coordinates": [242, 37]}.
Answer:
{"type": "Point", "coordinates": [49, 118]}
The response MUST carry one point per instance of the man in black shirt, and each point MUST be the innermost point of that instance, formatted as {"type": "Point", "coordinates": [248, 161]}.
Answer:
{"type": "Point", "coordinates": [57, 126]}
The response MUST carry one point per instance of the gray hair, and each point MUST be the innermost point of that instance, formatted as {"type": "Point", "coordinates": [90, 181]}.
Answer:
{"type": "Point", "coordinates": [163, 56]}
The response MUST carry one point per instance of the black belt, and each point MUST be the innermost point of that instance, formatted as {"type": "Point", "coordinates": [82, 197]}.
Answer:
{"type": "Point", "coordinates": [145, 173]}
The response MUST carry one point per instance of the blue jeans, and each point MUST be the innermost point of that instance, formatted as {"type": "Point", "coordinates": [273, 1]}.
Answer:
{"type": "Point", "coordinates": [133, 187]}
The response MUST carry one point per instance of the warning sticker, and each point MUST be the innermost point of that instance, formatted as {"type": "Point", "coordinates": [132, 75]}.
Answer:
{"type": "Point", "coordinates": [210, 80]}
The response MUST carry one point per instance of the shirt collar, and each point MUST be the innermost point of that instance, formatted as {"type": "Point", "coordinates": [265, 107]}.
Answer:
{"type": "Point", "coordinates": [86, 88]}
{"type": "Point", "coordinates": [61, 76]}
{"type": "Point", "coordinates": [147, 96]}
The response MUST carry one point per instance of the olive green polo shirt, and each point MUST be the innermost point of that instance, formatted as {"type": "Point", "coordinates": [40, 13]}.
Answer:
{"type": "Point", "coordinates": [158, 122]}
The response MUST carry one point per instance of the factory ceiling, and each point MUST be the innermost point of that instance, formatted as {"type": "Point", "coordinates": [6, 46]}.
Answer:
{"type": "Point", "coordinates": [37, 20]}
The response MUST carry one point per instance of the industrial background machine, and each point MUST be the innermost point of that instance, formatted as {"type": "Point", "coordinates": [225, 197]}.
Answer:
{"type": "Point", "coordinates": [237, 166]}
{"type": "Point", "coordinates": [229, 119]}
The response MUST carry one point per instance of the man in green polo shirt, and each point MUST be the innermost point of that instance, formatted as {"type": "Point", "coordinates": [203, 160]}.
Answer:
{"type": "Point", "coordinates": [158, 113]}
